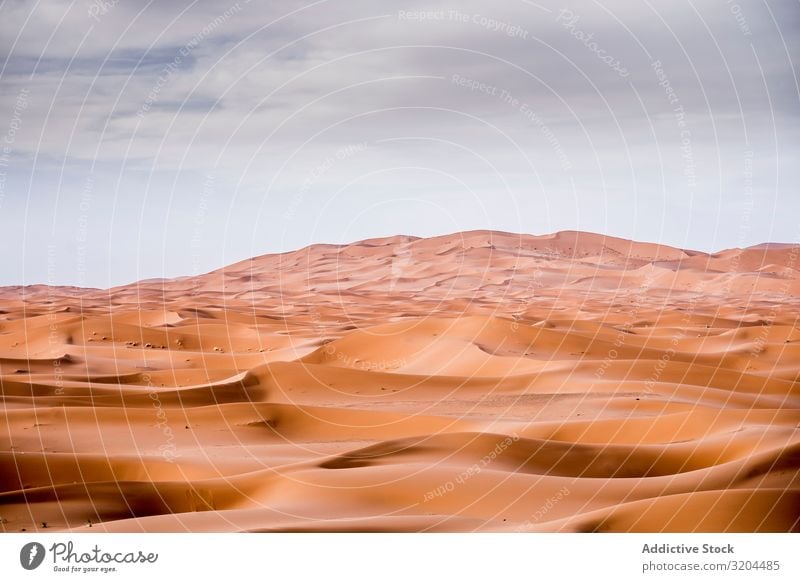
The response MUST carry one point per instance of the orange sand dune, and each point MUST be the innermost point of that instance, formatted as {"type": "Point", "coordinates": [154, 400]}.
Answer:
{"type": "Point", "coordinates": [477, 381]}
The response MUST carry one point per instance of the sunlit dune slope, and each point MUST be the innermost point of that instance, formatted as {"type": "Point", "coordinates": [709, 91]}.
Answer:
{"type": "Point", "coordinates": [476, 381]}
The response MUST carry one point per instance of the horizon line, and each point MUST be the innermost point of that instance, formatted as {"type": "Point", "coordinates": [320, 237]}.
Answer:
{"type": "Point", "coordinates": [758, 246]}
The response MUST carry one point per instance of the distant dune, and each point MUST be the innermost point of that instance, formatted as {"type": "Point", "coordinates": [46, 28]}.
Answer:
{"type": "Point", "coordinates": [476, 381]}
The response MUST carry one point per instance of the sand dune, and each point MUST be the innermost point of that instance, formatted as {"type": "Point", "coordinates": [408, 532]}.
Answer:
{"type": "Point", "coordinates": [477, 381]}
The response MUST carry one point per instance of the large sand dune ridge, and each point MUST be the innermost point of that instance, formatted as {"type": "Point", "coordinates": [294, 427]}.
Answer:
{"type": "Point", "coordinates": [476, 381]}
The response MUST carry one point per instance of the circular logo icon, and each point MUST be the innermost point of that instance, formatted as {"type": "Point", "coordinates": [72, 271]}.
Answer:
{"type": "Point", "coordinates": [31, 555]}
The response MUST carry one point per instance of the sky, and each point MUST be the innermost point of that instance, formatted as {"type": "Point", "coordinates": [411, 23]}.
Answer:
{"type": "Point", "coordinates": [161, 139]}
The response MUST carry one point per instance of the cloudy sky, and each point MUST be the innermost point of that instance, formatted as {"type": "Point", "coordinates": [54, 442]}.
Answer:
{"type": "Point", "coordinates": [148, 139]}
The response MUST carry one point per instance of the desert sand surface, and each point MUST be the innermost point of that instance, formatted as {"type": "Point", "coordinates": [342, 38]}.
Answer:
{"type": "Point", "coordinates": [480, 381]}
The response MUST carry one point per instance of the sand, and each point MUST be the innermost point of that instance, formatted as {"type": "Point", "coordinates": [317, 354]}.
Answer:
{"type": "Point", "coordinates": [477, 381]}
